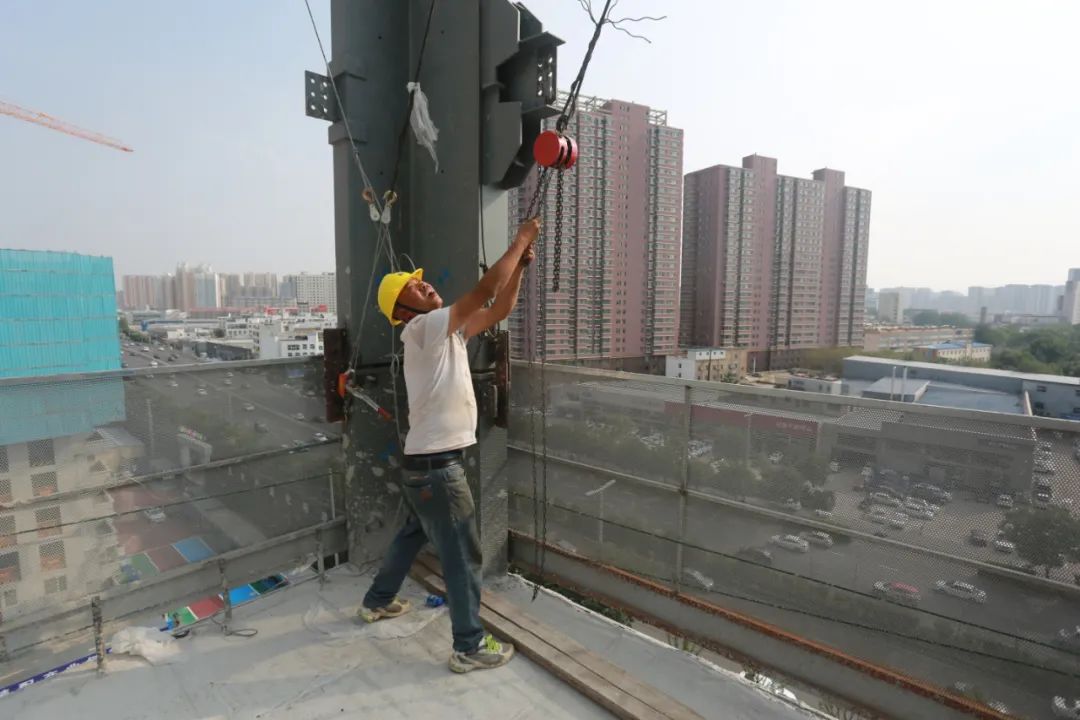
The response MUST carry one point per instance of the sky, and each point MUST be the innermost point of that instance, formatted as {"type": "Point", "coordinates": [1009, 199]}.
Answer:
{"type": "Point", "coordinates": [961, 117]}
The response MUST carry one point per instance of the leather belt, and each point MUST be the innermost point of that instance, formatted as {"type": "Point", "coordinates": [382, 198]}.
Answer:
{"type": "Point", "coordinates": [431, 461]}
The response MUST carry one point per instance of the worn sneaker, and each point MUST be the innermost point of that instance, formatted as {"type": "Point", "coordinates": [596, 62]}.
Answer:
{"type": "Point", "coordinates": [490, 654]}
{"type": "Point", "coordinates": [393, 609]}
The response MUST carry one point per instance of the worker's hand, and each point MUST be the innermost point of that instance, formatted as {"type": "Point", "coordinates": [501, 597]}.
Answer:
{"type": "Point", "coordinates": [528, 256]}
{"type": "Point", "coordinates": [529, 230]}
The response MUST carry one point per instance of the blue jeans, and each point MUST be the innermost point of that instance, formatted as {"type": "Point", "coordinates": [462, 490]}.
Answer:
{"type": "Point", "coordinates": [444, 513]}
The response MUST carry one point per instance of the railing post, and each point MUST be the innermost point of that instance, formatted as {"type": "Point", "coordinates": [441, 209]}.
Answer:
{"type": "Point", "coordinates": [330, 480]}
{"type": "Point", "coordinates": [684, 487]}
{"type": "Point", "coordinates": [99, 638]}
{"type": "Point", "coordinates": [225, 597]}
{"type": "Point", "coordinates": [319, 560]}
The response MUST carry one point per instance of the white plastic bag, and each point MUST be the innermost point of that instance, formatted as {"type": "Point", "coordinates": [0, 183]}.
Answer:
{"type": "Point", "coordinates": [425, 131]}
{"type": "Point", "coordinates": [159, 648]}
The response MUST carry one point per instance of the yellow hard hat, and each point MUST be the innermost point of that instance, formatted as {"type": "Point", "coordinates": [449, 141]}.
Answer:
{"type": "Point", "coordinates": [391, 286]}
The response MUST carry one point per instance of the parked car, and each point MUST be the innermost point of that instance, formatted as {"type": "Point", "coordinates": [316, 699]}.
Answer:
{"type": "Point", "coordinates": [879, 516]}
{"type": "Point", "coordinates": [1043, 467]}
{"type": "Point", "coordinates": [897, 521]}
{"type": "Point", "coordinates": [320, 437]}
{"type": "Point", "coordinates": [823, 514]}
{"type": "Point", "coordinates": [201, 391]}
{"type": "Point", "coordinates": [1041, 499]}
{"type": "Point", "coordinates": [791, 505]}
{"type": "Point", "coordinates": [154, 514]}
{"type": "Point", "coordinates": [898, 592]}
{"type": "Point", "coordinates": [1063, 708]}
{"type": "Point", "coordinates": [931, 492]}
{"type": "Point", "coordinates": [790, 542]}
{"type": "Point", "coordinates": [979, 537]}
{"type": "Point", "coordinates": [759, 556]}
{"type": "Point", "coordinates": [919, 513]}
{"type": "Point", "coordinates": [1068, 637]}
{"type": "Point", "coordinates": [776, 457]}
{"type": "Point", "coordinates": [960, 589]}
{"type": "Point", "coordinates": [298, 416]}
{"type": "Point", "coordinates": [248, 407]}
{"type": "Point", "coordinates": [1045, 445]}
{"type": "Point", "coordinates": [881, 498]}
{"type": "Point", "coordinates": [1004, 546]}
{"type": "Point", "coordinates": [835, 466]}
{"type": "Point", "coordinates": [1004, 501]}
{"type": "Point", "coordinates": [261, 427]}
{"type": "Point", "coordinates": [698, 448]}
{"type": "Point", "coordinates": [817, 537]}
{"type": "Point", "coordinates": [227, 381]}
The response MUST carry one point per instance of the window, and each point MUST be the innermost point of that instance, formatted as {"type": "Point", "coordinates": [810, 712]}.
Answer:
{"type": "Point", "coordinates": [1040, 388]}
{"type": "Point", "coordinates": [52, 555]}
{"type": "Point", "coordinates": [56, 585]}
{"type": "Point", "coordinates": [44, 484]}
{"type": "Point", "coordinates": [9, 598]}
{"type": "Point", "coordinates": [48, 521]}
{"type": "Point", "coordinates": [5, 489]}
{"type": "Point", "coordinates": [40, 453]}
{"type": "Point", "coordinates": [4, 458]}
{"type": "Point", "coordinates": [7, 530]}
{"type": "Point", "coordinates": [9, 567]}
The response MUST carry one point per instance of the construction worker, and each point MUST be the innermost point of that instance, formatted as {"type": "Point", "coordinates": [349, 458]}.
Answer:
{"type": "Point", "coordinates": [442, 423]}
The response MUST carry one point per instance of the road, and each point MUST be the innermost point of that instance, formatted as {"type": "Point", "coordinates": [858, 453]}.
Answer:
{"type": "Point", "coordinates": [281, 400]}
{"type": "Point", "coordinates": [856, 565]}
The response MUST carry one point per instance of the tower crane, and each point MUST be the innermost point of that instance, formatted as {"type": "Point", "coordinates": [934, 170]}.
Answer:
{"type": "Point", "coordinates": [40, 118]}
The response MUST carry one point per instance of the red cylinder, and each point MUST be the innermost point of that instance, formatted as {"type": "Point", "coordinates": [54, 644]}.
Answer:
{"type": "Point", "coordinates": [554, 150]}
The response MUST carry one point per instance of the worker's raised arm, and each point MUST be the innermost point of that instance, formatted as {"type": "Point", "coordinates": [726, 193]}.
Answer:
{"type": "Point", "coordinates": [495, 278]}
{"type": "Point", "coordinates": [505, 300]}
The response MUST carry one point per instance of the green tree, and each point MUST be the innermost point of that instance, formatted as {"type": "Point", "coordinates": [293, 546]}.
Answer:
{"type": "Point", "coordinates": [736, 479]}
{"type": "Point", "coordinates": [1045, 537]}
{"type": "Point", "coordinates": [933, 317]}
{"type": "Point", "coordinates": [780, 482]}
{"type": "Point", "coordinates": [815, 499]}
{"type": "Point", "coordinates": [813, 468]}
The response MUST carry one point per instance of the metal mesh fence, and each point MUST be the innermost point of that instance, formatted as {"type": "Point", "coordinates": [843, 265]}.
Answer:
{"type": "Point", "coordinates": [112, 479]}
{"type": "Point", "coordinates": [939, 542]}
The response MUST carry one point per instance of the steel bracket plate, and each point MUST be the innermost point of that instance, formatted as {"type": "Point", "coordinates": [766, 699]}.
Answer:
{"type": "Point", "coordinates": [319, 99]}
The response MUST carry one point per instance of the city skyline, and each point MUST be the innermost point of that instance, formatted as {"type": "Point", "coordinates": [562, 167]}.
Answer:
{"type": "Point", "coordinates": [887, 118]}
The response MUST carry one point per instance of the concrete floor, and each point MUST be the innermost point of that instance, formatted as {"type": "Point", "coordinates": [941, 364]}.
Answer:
{"type": "Point", "coordinates": [310, 660]}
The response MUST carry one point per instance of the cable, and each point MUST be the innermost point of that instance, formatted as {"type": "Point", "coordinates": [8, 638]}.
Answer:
{"type": "Point", "coordinates": [575, 87]}
{"type": "Point", "coordinates": [241, 632]}
{"type": "Point", "coordinates": [383, 237]}
{"type": "Point", "coordinates": [412, 95]}
{"type": "Point", "coordinates": [816, 581]}
{"type": "Point", "coordinates": [341, 108]}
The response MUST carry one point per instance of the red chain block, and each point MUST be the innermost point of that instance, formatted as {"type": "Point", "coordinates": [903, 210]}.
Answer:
{"type": "Point", "coordinates": [555, 150]}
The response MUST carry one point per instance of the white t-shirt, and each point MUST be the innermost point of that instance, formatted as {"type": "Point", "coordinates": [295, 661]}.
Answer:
{"type": "Point", "coordinates": [442, 407]}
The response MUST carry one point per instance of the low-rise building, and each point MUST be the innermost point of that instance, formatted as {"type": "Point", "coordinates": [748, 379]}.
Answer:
{"type": "Point", "coordinates": [827, 385]}
{"type": "Point", "coordinates": [957, 351]}
{"type": "Point", "coordinates": [894, 337]}
{"type": "Point", "coordinates": [707, 364]}
{"type": "Point", "coordinates": [293, 337]}
{"type": "Point", "coordinates": [1047, 395]}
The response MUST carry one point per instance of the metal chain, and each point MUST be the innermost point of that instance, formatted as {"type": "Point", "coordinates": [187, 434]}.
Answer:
{"type": "Point", "coordinates": [557, 245]}
{"type": "Point", "coordinates": [539, 402]}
